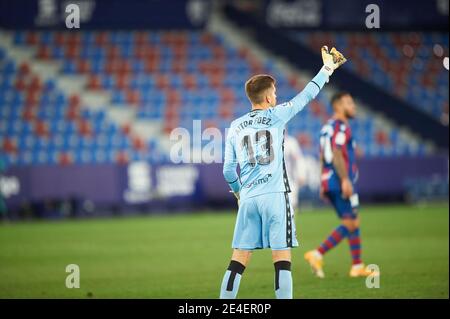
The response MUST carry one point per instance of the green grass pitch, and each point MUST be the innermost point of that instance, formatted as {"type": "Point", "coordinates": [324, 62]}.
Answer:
{"type": "Point", "coordinates": [185, 256]}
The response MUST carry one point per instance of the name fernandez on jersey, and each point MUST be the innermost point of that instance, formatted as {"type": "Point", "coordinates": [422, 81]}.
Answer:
{"type": "Point", "coordinates": [255, 142]}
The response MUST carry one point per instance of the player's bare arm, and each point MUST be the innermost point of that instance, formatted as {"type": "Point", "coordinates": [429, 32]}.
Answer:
{"type": "Point", "coordinates": [321, 190]}
{"type": "Point", "coordinates": [339, 164]}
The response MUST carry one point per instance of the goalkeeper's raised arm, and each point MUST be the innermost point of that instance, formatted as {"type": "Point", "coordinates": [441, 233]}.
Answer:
{"type": "Point", "coordinates": [332, 59]}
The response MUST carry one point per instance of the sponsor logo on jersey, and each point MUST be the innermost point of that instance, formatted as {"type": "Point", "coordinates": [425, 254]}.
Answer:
{"type": "Point", "coordinates": [260, 181]}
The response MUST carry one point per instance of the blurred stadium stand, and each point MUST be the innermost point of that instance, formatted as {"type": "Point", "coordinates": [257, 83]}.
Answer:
{"type": "Point", "coordinates": [285, 42]}
{"type": "Point", "coordinates": [166, 79]}
{"type": "Point", "coordinates": [86, 105]}
{"type": "Point", "coordinates": [406, 64]}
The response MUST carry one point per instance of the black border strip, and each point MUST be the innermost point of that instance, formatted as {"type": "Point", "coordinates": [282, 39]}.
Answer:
{"type": "Point", "coordinates": [288, 221]}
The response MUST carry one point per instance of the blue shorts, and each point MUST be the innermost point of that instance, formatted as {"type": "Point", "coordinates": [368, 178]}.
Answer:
{"type": "Point", "coordinates": [345, 207]}
{"type": "Point", "coordinates": [265, 221]}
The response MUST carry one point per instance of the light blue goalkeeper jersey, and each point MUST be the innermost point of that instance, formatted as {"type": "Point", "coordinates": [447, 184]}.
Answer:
{"type": "Point", "coordinates": [255, 142]}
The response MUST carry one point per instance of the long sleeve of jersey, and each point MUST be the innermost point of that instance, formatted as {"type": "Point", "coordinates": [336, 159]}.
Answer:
{"type": "Point", "coordinates": [230, 165]}
{"type": "Point", "coordinates": [288, 110]}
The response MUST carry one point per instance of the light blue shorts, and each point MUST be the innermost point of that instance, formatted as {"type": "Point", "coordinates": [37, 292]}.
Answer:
{"type": "Point", "coordinates": [265, 221]}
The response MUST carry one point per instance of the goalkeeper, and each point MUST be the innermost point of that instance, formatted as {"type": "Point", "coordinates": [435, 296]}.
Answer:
{"type": "Point", "coordinates": [255, 142]}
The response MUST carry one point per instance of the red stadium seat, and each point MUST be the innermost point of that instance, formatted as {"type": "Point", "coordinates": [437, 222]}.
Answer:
{"type": "Point", "coordinates": [170, 124]}
{"type": "Point", "coordinates": [317, 108]}
{"type": "Point", "coordinates": [84, 128]}
{"type": "Point", "coordinates": [226, 111]}
{"type": "Point", "coordinates": [43, 53]}
{"type": "Point", "coordinates": [151, 64]}
{"type": "Point", "coordinates": [102, 38]}
{"type": "Point", "coordinates": [218, 52]}
{"type": "Point", "coordinates": [74, 100]}
{"type": "Point", "coordinates": [132, 96]}
{"type": "Point", "coordinates": [138, 143]}
{"type": "Point", "coordinates": [73, 113]}
{"type": "Point", "coordinates": [178, 65]}
{"type": "Point", "coordinates": [35, 84]}
{"type": "Point", "coordinates": [171, 112]}
{"type": "Point", "coordinates": [190, 81]}
{"type": "Point", "coordinates": [145, 51]}
{"type": "Point", "coordinates": [122, 81]}
{"type": "Point", "coordinates": [227, 96]}
{"type": "Point", "coordinates": [94, 82]}
{"type": "Point", "coordinates": [83, 66]}
{"type": "Point", "coordinates": [179, 51]}
{"type": "Point", "coordinates": [207, 38]}
{"type": "Point", "coordinates": [141, 38]}
{"type": "Point", "coordinates": [73, 39]}
{"type": "Point", "coordinates": [126, 128]}
{"type": "Point", "coordinates": [296, 83]}
{"type": "Point", "coordinates": [32, 38]}
{"type": "Point", "coordinates": [20, 84]}
{"type": "Point", "coordinates": [112, 52]}
{"type": "Point", "coordinates": [304, 140]}
{"type": "Point", "coordinates": [122, 157]}
{"type": "Point", "coordinates": [362, 68]}
{"type": "Point", "coordinates": [24, 68]}
{"type": "Point", "coordinates": [72, 52]}
{"type": "Point", "coordinates": [216, 79]}
{"type": "Point", "coordinates": [9, 146]}
{"type": "Point", "coordinates": [382, 138]}
{"type": "Point", "coordinates": [162, 81]}
{"type": "Point", "coordinates": [59, 38]}
{"type": "Point", "coordinates": [41, 128]}
{"type": "Point", "coordinates": [173, 98]}
{"type": "Point", "coordinates": [65, 158]}
{"type": "Point", "coordinates": [210, 124]}
{"type": "Point", "coordinates": [29, 114]}
{"type": "Point", "coordinates": [255, 66]}
{"type": "Point", "coordinates": [32, 98]}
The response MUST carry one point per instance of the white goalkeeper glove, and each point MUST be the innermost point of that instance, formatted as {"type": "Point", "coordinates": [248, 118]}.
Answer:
{"type": "Point", "coordinates": [331, 60]}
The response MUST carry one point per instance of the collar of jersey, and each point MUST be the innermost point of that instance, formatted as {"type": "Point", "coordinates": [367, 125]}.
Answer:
{"type": "Point", "coordinates": [255, 110]}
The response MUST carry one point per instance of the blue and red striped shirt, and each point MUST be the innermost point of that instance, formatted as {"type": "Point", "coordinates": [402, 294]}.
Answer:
{"type": "Point", "coordinates": [336, 134]}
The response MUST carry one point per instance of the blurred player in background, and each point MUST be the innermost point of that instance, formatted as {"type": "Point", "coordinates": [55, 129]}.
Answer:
{"type": "Point", "coordinates": [339, 175]}
{"type": "Point", "coordinates": [255, 141]}
{"type": "Point", "coordinates": [3, 209]}
{"type": "Point", "coordinates": [294, 159]}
